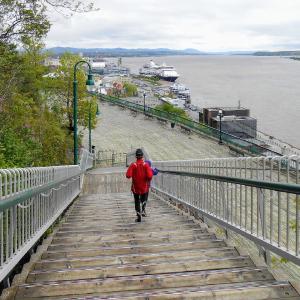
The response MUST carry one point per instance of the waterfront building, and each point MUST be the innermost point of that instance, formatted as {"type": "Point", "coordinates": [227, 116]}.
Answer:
{"type": "Point", "coordinates": [235, 120]}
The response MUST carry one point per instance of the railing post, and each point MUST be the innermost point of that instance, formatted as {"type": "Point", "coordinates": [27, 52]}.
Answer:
{"type": "Point", "coordinates": [254, 204]}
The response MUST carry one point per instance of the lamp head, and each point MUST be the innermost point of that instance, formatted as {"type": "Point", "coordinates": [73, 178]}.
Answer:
{"type": "Point", "coordinates": [90, 84]}
{"type": "Point", "coordinates": [220, 114]}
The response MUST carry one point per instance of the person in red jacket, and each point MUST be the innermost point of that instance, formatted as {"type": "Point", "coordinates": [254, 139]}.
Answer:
{"type": "Point", "coordinates": [141, 174]}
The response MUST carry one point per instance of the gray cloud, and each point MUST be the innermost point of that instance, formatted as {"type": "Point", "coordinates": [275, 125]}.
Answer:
{"type": "Point", "coordinates": [209, 25]}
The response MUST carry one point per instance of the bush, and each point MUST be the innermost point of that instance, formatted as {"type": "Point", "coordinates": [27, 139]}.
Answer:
{"type": "Point", "coordinates": [172, 109]}
{"type": "Point", "coordinates": [130, 89]}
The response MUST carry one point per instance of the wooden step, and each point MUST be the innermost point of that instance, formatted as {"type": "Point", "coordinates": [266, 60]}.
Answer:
{"type": "Point", "coordinates": [118, 217]}
{"type": "Point", "coordinates": [237, 291]}
{"type": "Point", "coordinates": [141, 283]}
{"type": "Point", "coordinates": [128, 242]}
{"type": "Point", "coordinates": [130, 225]}
{"type": "Point", "coordinates": [94, 261]}
{"type": "Point", "coordinates": [134, 249]}
{"type": "Point", "coordinates": [140, 227]}
{"type": "Point", "coordinates": [140, 269]}
{"type": "Point", "coordinates": [95, 235]}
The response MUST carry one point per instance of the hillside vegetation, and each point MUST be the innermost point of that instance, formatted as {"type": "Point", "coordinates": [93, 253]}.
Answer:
{"type": "Point", "coordinates": [36, 124]}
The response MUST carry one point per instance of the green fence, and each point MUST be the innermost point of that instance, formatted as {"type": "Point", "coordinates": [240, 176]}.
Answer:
{"type": "Point", "coordinates": [201, 128]}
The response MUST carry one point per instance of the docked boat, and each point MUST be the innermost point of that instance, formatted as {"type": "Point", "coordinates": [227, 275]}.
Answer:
{"type": "Point", "coordinates": [175, 102]}
{"type": "Point", "coordinates": [181, 91]}
{"type": "Point", "coordinates": [161, 71]}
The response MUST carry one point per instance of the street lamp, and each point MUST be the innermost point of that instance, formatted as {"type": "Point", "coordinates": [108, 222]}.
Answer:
{"type": "Point", "coordinates": [90, 122]}
{"type": "Point", "coordinates": [220, 115]}
{"type": "Point", "coordinates": [98, 111]}
{"type": "Point", "coordinates": [90, 127]}
{"type": "Point", "coordinates": [144, 94]}
{"type": "Point", "coordinates": [90, 86]}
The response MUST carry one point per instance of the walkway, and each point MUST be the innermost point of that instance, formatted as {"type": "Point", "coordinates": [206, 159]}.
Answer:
{"type": "Point", "coordinates": [99, 252]}
{"type": "Point", "coordinates": [123, 130]}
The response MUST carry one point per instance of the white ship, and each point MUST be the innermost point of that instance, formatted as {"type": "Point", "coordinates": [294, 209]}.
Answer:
{"type": "Point", "coordinates": [162, 71]}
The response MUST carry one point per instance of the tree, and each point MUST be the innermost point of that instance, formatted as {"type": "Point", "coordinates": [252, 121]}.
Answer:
{"type": "Point", "coordinates": [10, 70]}
{"type": "Point", "coordinates": [60, 92]}
{"type": "Point", "coordinates": [30, 133]}
{"type": "Point", "coordinates": [130, 89]}
{"type": "Point", "coordinates": [35, 123]}
{"type": "Point", "coordinates": [22, 19]}
{"type": "Point", "coordinates": [27, 18]}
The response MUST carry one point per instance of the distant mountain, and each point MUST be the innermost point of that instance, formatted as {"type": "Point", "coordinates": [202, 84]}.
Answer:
{"type": "Point", "coordinates": [116, 52]}
{"type": "Point", "coordinates": [277, 53]}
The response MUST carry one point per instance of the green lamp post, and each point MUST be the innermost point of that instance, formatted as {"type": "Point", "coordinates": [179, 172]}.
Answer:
{"type": "Point", "coordinates": [220, 115]}
{"type": "Point", "coordinates": [90, 127]}
{"type": "Point", "coordinates": [90, 86]}
{"type": "Point", "coordinates": [90, 124]}
{"type": "Point", "coordinates": [98, 111]}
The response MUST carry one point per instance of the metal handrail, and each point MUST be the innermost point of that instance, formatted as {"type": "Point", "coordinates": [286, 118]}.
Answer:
{"type": "Point", "coordinates": [256, 197]}
{"type": "Point", "coordinates": [250, 146]}
{"type": "Point", "coordinates": [31, 199]}
{"type": "Point", "coordinates": [276, 186]}
{"type": "Point", "coordinates": [27, 194]}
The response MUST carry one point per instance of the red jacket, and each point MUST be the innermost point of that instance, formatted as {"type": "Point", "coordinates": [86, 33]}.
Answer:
{"type": "Point", "coordinates": [141, 174]}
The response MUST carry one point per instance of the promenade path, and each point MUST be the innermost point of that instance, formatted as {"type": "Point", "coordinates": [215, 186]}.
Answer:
{"type": "Point", "coordinates": [122, 130]}
{"type": "Point", "coordinates": [99, 252]}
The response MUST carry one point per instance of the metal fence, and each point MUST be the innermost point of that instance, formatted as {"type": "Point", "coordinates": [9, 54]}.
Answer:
{"type": "Point", "coordinates": [31, 199]}
{"type": "Point", "coordinates": [255, 197]}
{"type": "Point", "coordinates": [110, 158]}
{"type": "Point", "coordinates": [240, 143]}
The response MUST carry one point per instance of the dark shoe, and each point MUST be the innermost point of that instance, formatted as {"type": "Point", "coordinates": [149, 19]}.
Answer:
{"type": "Point", "coordinates": [138, 219]}
{"type": "Point", "coordinates": [144, 214]}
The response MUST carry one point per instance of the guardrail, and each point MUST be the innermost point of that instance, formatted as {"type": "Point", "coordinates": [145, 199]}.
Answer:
{"type": "Point", "coordinates": [31, 199]}
{"type": "Point", "coordinates": [258, 198]}
{"type": "Point", "coordinates": [109, 158]}
{"type": "Point", "coordinates": [247, 146]}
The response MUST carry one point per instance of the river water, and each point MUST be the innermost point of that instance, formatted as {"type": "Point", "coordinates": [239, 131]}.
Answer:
{"type": "Point", "coordinates": [269, 86]}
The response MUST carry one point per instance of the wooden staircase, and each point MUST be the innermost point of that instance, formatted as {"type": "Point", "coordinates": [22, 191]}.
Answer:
{"type": "Point", "coordinates": [99, 252]}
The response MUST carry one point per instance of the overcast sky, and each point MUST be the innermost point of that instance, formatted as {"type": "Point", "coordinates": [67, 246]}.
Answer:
{"type": "Point", "coordinates": [206, 25]}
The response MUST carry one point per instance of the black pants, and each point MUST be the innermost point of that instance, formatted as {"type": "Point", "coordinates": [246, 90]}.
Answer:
{"type": "Point", "coordinates": [138, 200]}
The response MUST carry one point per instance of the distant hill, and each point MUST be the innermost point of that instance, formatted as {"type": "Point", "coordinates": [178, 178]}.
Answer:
{"type": "Point", "coordinates": [116, 52]}
{"type": "Point", "coordinates": [277, 53]}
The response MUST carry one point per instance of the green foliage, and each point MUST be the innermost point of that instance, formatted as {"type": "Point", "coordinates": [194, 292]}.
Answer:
{"type": "Point", "coordinates": [88, 106]}
{"type": "Point", "coordinates": [284, 260]}
{"type": "Point", "coordinates": [276, 261]}
{"type": "Point", "coordinates": [22, 20]}
{"type": "Point", "coordinates": [31, 133]}
{"type": "Point", "coordinates": [172, 109]}
{"type": "Point", "coordinates": [59, 93]}
{"type": "Point", "coordinates": [27, 19]}
{"type": "Point", "coordinates": [35, 110]}
{"type": "Point", "coordinates": [130, 89]}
